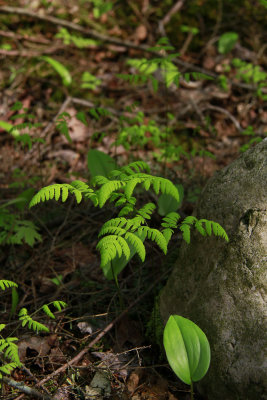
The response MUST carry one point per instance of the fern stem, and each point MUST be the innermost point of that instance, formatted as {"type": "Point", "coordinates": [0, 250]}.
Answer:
{"type": "Point", "coordinates": [191, 391]}
{"type": "Point", "coordinates": [115, 277]}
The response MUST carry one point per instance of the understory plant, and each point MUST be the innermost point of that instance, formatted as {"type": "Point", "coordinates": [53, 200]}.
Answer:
{"type": "Point", "coordinates": [131, 226]}
{"type": "Point", "coordinates": [187, 350]}
{"type": "Point", "coordinates": [9, 356]}
{"type": "Point", "coordinates": [122, 237]}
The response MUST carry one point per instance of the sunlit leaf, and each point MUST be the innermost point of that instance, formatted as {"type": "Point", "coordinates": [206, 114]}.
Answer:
{"type": "Point", "coordinates": [187, 349]}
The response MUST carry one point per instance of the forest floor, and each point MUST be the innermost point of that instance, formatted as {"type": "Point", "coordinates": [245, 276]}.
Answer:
{"type": "Point", "coordinates": [85, 102]}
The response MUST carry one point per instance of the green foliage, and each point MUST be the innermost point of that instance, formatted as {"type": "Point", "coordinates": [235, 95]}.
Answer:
{"type": "Point", "coordinates": [4, 283]}
{"type": "Point", "coordinates": [78, 41]}
{"type": "Point", "coordinates": [19, 131]}
{"type": "Point", "coordinates": [168, 204]}
{"type": "Point", "coordinates": [26, 320]}
{"type": "Point", "coordinates": [187, 349]}
{"type": "Point", "coordinates": [252, 74]}
{"type": "Point", "coordinates": [122, 237]}
{"type": "Point", "coordinates": [14, 230]}
{"type": "Point", "coordinates": [99, 163]}
{"type": "Point", "coordinates": [60, 69]}
{"type": "Point", "coordinates": [89, 81]}
{"type": "Point", "coordinates": [8, 348]}
{"type": "Point", "coordinates": [101, 7]}
{"type": "Point", "coordinates": [189, 29]}
{"type": "Point", "coordinates": [249, 131]}
{"type": "Point", "coordinates": [227, 42]}
{"type": "Point", "coordinates": [62, 125]}
{"type": "Point", "coordinates": [147, 67]}
{"type": "Point", "coordinates": [136, 133]}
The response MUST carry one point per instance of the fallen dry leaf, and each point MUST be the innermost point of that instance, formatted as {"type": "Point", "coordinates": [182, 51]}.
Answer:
{"type": "Point", "coordinates": [141, 33]}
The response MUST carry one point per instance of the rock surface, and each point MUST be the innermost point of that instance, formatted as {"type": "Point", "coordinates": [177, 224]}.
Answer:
{"type": "Point", "coordinates": [222, 286]}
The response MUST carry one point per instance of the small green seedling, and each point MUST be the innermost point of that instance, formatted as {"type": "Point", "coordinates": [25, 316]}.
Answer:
{"type": "Point", "coordinates": [227, 42]}
{"type": "Point", "coordinates": [187, 350]}
{"type": "Point", "coordinates": [8, 348]}
{"type": "Point", "coordinates": [60, 69]}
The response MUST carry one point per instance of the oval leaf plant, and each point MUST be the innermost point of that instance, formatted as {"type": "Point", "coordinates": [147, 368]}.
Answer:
{"type": "Point", "coordinates": [187, 349]}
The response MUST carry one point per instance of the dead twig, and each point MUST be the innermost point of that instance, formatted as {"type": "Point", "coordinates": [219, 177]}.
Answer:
{"type": "Point", "coordinates": [31, 53]}
{"type": "Point", "coordinates": [80, 355]}
{"type": "Point", "coordinates": [16, 36]}
{"type": "Point", "coordinates": [176, 7]}
{"type": "Point", "coordinates": [26, 389]}
{"type": "Point", "coordinates": [226, 112]}
{"type": "Point", "coordinates": [117, 42]}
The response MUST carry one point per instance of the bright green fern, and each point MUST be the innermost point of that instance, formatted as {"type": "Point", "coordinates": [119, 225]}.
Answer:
{"type": "Point", "coordinates": [9, 356]}
{"type": "Point", "coordinates": [123, 236]}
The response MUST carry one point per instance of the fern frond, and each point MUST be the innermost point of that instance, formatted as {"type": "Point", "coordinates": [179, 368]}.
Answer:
{"type": "Point", "coordinates": [171, 220]}
{"type": "Point", "coordinates": [107, 189]}
{"type": "Point", "coordinates": [200, 228]}
{"type": "Point", "coordinates": [4, 283]}
{"type": "Point", "coordinates": [190, 220]}
{"type": "Point", "coordinates": [2, 326]}
{"type": "Point", "coordinates": [135, 166]}
{"type": "Point", "coordinates": [48, 312]}
{"type": "Point", "coordinates": [10, 348]}
{"type": "Point", "coordinates": [99, 180]}
{"type": "Point", "coordinates": [137, 244]}
{"type": "Point", "coordinates": [156, 236]}
{"type": "Point", "coordinates": [51, 192]}
{"type": "Point", "coordinates": [120, 202]}
{"type": "Point", "coordinates": [77, 188]}
{"type": "Point", "coordinates": [27, 320]}
{"type": "Point", "coordinates": [147, 210]}
{"type": "Point", "coordinates": [59, 304]}
{"type": "Point", "coordinates": [211, 226]}
{"type": "Point", "coordinates": [126, 210]}
{"type": "Point", "coordinates": [130, 186]}
{"type": "Point", "coordinates": [111, 245]}
{"type": "Point", "coordinates": [124, 246]}
{"type": "Point", "coordinates": [185, 228]}
{"type": "Point", "coordinates": [146, 184]}
{"type": "Point", "coordinates": [167, 233]}
{"type": "Point", "coordinates": [8, 368]}
{"type": "Point", "coordinates": [120, 222]}
{"type": "Point", "coordinates": [115, 230]}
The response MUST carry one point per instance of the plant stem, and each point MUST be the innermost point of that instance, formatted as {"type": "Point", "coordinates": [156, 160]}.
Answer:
{"type": "Point", "coordinates": [122, 305]}
{"type": "Point", "coordinates": [191, 391]}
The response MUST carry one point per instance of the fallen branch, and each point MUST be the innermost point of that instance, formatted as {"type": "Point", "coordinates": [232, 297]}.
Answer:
{"type": "Point", "coordinates": [80, 355]}
{"type": "Point", "coordinates": [117, 42]}
{"type": "Point", "coordinates": [226, 112]}
{"type": "Point", "coordinates": [26, 389]}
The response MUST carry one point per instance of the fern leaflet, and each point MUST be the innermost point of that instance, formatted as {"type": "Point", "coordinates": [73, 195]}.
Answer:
{"type": "Point", "coordinates": [27, 320]}
{"type": "Point", "coordinates": [4, 283]}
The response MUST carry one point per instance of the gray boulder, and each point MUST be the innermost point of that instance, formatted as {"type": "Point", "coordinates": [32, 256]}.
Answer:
{"type": "Point", "coordinates": [222, 286]}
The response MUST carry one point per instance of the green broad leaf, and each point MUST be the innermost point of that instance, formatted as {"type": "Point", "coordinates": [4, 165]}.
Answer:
{"type": "Point", "coordinates": [112, 269]}
{"type": "Point", "coordinates": [57, 280]}
{"type": "Point", "coordinates": [27, 231]}
{"type": "Point", "coordinates": [167, 203]}
{"type": "Point", "coordinates": [9, 128]}
{"type": "Point", "coordinates": [187, 349]}
{"type": "Point", "coordinates": [60, 69]}
{"type": "Point", "coordinates": [227, 42]}
{"type": "Point", "coordinates": [24, 198]}
{"type": "Point", "coordinates": [81, 116]}
{"type": "Point", "coordinates": [100, 163]}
